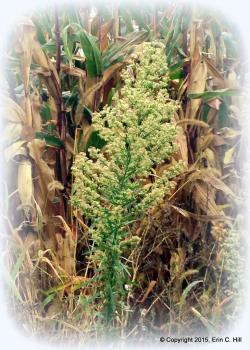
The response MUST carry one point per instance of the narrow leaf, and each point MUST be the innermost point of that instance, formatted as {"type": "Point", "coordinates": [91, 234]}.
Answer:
{"type": "Point", "coordinates": [207, 95]}
{"type": "Point", "coordinates": [187, 290]}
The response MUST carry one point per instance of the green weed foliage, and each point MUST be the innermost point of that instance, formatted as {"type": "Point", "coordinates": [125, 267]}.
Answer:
{"type": "Point", "coordinates": [109, 186]}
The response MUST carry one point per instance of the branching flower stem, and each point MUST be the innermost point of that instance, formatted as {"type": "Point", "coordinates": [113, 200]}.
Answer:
{"type": "Point", "coordinates": [109, 185]}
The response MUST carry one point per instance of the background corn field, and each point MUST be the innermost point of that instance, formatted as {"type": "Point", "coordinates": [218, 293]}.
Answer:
{"type": "Point", "coordinates": [62, 65]}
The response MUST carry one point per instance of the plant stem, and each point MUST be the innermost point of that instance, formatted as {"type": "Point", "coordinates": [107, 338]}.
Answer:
{"type": "Point", "coordinates": [58, 42]}
{"type": "Point", "coordinates": [113, 261]}
{"type": "Point", "coordinates": [61, 165]}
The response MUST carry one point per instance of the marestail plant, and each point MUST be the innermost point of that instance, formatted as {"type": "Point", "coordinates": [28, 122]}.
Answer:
{"type": "Point", "coordinates": [109, 184]}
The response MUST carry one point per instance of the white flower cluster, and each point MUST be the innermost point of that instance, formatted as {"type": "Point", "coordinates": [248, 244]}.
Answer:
{"type": "Point", "coordinates": [234, 264]}
{"type": "Point", "coordinates": [109, 188]}
{"type": "Point", "coordinates": [139, 134]}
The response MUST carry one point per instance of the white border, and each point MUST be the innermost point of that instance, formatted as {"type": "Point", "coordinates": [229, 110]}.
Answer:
{"type": "Point", "coordinates": [236, 10]}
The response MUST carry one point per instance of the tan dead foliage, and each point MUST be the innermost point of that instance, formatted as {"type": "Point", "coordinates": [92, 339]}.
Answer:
{"type": "Point", "coordinates": [43, 173]}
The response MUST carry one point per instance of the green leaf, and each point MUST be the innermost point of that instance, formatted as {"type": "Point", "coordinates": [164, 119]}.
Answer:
{"type": "Point", "coordinates": [79, 141]}
{"type": "Point", "coordinates": [68, 43]}
{"type": "Point", "coordinates": [11, 276]}
{"type": "Point", "coordinates": [87, 114]}
{"type": "Point", "coordinates": [208, 95]}
{"type": "Point", "coordinates": [176, 75]}
{"type": "Point", "coordinates": [177, 66]}
{"type": "Point", "coordinates": [223, 113]}
{"type": "Point", "coordinates": [204, 113]}
{"type": "Point", "coordinates": [94, 63]}
{"type": "Point", "coordinates": [173, 37]}
{"type": "Point", "coordinates": [45, 113]}
{"type": "Point", "coordinates": [48, 299]}
{"type": "Point", "coordinates": [43, 24]}
{"type": "Point", "coordinates": [11, 284]}
{"type": "Point", "coordinates": [95, 141]}
{"type": "Point", "coordinates": [187, 290]}
{"type": "Point", "coordinates": [18, 264]}
{"type": "Point", "coordinates": [110, 96]}
{"type": "Point", "coordinates": [50, 47]}
{"type": "Point", "coordinates": [56, 200]}
{"type": "Point", "coordinates": [116, 52]}
{"type": "Point", "coordinates": [50, 140]}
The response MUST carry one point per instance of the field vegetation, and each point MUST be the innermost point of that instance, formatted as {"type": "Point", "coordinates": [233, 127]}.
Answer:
{"type": "Point", "coordinates": [123, 149]}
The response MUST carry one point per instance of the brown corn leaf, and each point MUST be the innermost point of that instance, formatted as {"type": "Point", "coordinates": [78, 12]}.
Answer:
{"type": "Point", "coordinates": [195, 122]}
{"type": "Point", "coordinates": [204, 198]}
{"type": "Point", "coordinates": [199, 217]}
{"type": "Point", "coordinates": [204, 141]}
{"type": "Point", "coordinates": [26, 34]}
{"type": "Point", "coordinates": [47, 71]}
{"type": "Point", "coordinates": [74, 71]}
{"type": "Point", "coordinates": [103, 34]}
{"type": "Point", "coordinates": [182, 153]}
{"type": "Point", "coordinates": [12, 132]}
{"type": "Point", "coordinates": [55, 185]}
{"type": "Point", "coordinates": [218, 141]}
{"type": "Point", "coordinates": [107, 75]}
{"type": "Point", "coordinates": [50, 80]}
{"type": "Point", "coordinates": [198, 71]}
{"type": "Point", "coordinates": [12, 111]}
{"type": "Point", "coordinates": [230, 135]}
{"type": "Point", "coordinates": [197, 84]}
{"type": "Point", "coordinates": [214, 103]}
{"type": "Point", "coordinates": [35, 107]}
{"type": "Point", "coordinates": [212, 117]}
{"type": "Point", "coordinates": [68, 245]}
{"type": "Point", "coordinates": [16, 149]}
{"type": "Point", "coordinates": [44, 175]}
{"type": "Point", "coordinates": [211, 158]}
{"type": "Point", "coordinates": [195, 44]}
{"type": "Point", "coordinates": [229, 156]}
{"type": "Point", "coordinates": [28, 133]}
{"type": "Point", "coordinates": [65, 254]}
{"type": "Point", "coordinates": [218, 79]}
{"type": "Point", "coordinates": [207, 177]}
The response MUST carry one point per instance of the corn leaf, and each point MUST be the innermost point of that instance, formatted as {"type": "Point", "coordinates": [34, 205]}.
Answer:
{"type": "Point", "coordinates": [207, 95]}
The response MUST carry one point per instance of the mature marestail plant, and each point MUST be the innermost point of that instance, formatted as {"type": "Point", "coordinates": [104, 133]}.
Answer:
{"type": "Point", "coordinates": [109, 184]}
